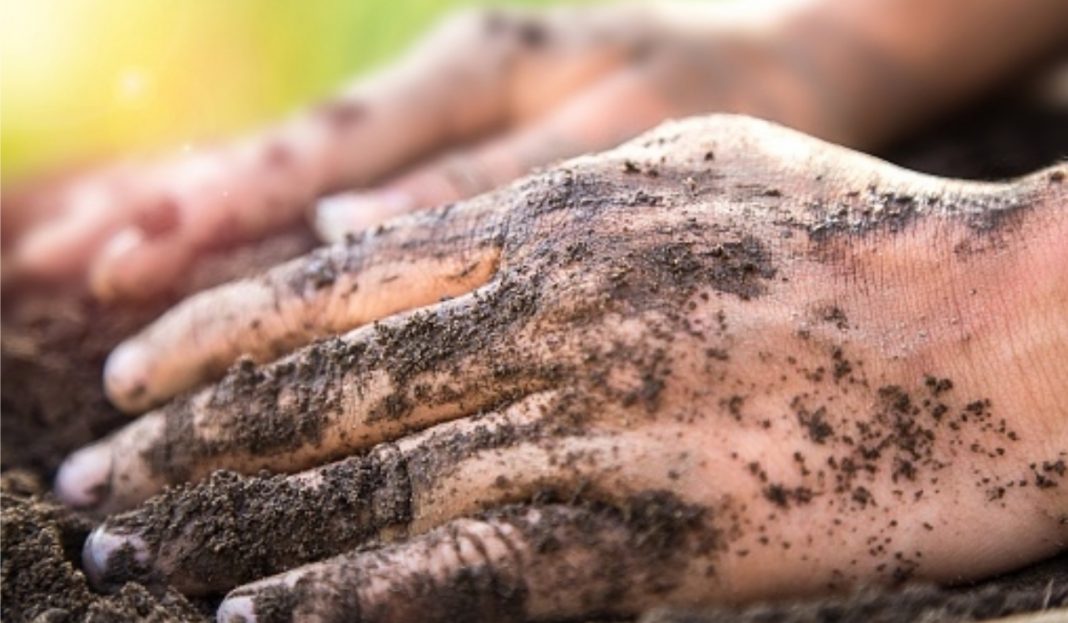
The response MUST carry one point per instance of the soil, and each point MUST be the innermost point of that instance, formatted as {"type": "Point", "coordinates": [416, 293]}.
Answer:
{"type": "Point", "coordinates": [54, 345]}
{"type": "Point", "coordinates": [41, 580]}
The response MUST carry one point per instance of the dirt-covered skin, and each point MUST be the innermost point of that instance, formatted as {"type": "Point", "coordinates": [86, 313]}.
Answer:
{"type": "Point", "coordinates": [782, 362]}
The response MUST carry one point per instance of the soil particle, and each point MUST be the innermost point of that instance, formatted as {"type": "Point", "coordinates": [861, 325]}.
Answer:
{"type": "Point", "coordinates": [285, 405]}
{"type": "Point", "coordinates": [987, 216]}
{"type": "Point", "coordinates": [834, 315]}
{"type": "Point", "coordinates": [784, 497]}
{"type": "Point", "coordinates": [273, 408]}
{"type": "Point", "coordinates": [275, 604]}
{"type": "Point", "coordinates": [815, 423]}
{"type": "Point", "coordinates": [734, 267]}
{"type": "Point", "coordinates": [318, 272]}
{"type": "Point", "coordinates": [430, 340]}
{"type": "Point", "coordinates": [232, 529]}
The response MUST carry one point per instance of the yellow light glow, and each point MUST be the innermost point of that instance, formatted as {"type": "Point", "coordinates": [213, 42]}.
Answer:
{"type": "Point", "coordinates": [131, 86]}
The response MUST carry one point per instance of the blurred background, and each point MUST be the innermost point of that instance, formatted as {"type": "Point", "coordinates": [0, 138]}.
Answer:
{"type": "Point", "coordinates": [85, 79]}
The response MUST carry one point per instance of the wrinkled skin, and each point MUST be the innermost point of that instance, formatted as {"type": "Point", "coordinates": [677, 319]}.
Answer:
{"type": "Point", "coordinates": [723, 362]}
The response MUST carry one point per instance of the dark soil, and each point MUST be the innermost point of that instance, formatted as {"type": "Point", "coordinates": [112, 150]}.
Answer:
{"type": "Point", "coordinates": [53, 349]}
{"type": "Point", "coordinates": [54, 345]}
{"type": "Point", "coordinates": [42, 543]}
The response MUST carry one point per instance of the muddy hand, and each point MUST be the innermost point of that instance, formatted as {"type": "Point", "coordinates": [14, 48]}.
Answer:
{"type": "Point", "coordinates": [496, 92]}
{"type": "Point", "coordinates": [725, 361]}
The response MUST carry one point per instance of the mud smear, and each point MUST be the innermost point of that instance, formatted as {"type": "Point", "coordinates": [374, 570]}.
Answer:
{"type": "Point", "coordinates": [285, 405]}
{"type": "Point", "coordinates": [230, 529]}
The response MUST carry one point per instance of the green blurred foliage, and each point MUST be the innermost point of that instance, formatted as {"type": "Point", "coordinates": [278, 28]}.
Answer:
{"type": "Point", "coordinates": [86, 79]}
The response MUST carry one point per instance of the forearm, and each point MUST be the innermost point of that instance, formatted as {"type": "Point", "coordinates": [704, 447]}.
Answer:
{"type": "Point", "coordinates": [861, 73]}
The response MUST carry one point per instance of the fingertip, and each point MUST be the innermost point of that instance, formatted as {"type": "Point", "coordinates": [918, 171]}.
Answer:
{"type": "Point", "coordinates": [84, 477]}
{"type": "Point", "coordinates": [347, 213]}
{"type": "Point", "coordinates": [239, 606]}
{"type": "Point", "coordinates": [237, 609]}
{"type": "Point", "coordinates": [102, 547]}
{"type": "Point", "coordinates": [126, 377]}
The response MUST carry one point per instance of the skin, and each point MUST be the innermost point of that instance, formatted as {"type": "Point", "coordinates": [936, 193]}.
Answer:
{"type": "Point", "coordinates": [723, 362]}
{"type": "Point", "coordinates": [489, 96]}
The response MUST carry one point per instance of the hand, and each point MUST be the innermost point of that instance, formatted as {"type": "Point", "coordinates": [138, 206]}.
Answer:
{"type": "Point", "coordinates": [723, 362]}
{"type": "Point", "coordinates": [491, 95]}
{"type": "Point", "coordinates": [498, 93]}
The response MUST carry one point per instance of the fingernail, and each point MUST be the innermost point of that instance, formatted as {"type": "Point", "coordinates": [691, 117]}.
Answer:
{"type": "Point", "coordinates": [103, 547]}
{"type": "Point", "coordinates": [236, 610]}
{"type": "Point", "coordinates": [353, 212]}
{"type": "Point", "coordinates": [125, 377]}
{"type": "Point", "coordinates": [85, 477]}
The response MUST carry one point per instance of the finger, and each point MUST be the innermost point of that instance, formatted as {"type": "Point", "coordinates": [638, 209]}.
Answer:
{"type": "Point", "coordinates": [197, 202]}
{"type": "Point", "coordinates": [29, 202]}
{"type": "Point", "coordinates": [517, 564]}
{"type": "Point", "coordinates": [580, 126]}
{"type": "Point", "coordinates": [327, 400]}
{"type": "Point", "coordinates": [234, 530]}
{"type": "Point", "coordinates": [415, 263]}
{"type": "Point", "coordinates": [126, 267]}
{"type": "Point", "coordinates": [473, 76]}
{"type": "Point", "coordinates": [62, 245]}
{"type": "Point", "coordinates": [452, 88]}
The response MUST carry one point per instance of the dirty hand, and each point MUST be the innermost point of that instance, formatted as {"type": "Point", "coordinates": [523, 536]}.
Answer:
{"type": "Point", "coordinates": [497, 93]}
{"type": "Point", "coordinates": [725, 361]}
